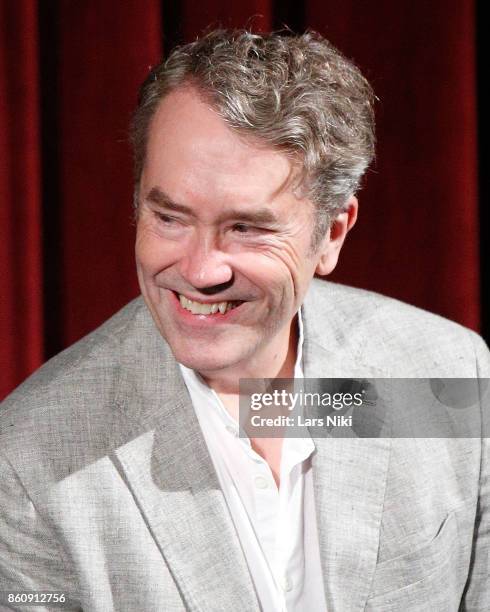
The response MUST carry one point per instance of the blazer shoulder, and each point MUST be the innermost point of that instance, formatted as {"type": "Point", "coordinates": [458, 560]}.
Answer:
{"type": "Point", "coordinates": [86, 370]}
{"type": "Point", "coordinates": [66, 415]}
{"type": "Point", "coordinates": [398, 338]}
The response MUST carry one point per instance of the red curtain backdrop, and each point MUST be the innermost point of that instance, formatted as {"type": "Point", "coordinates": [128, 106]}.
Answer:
{"type": "Point", "coordinates": [417, 237]}
{"type": "Point", "coordinates": [69, 73]}
{"type": "Point", "coordinates": [106, 49]}
{"type": "Point", "coordinates": [21, 315]}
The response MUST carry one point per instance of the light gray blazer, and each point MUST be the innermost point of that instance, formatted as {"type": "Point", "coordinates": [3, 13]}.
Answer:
{"type": "Point", "coordinates": [107, 491]}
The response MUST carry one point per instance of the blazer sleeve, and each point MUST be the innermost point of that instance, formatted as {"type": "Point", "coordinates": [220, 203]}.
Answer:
{"type": "Point", "coordinates": [30, 557]}
{"type": "Point", "coordinates": [477, 590]}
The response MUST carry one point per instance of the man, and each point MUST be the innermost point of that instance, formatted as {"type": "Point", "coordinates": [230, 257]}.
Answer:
{"type": "Point", "coordinates": [123, 482]}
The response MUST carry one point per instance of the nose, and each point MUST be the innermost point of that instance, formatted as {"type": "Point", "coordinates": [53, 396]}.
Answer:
{"type": "Point", "coordinates": [204, 266]}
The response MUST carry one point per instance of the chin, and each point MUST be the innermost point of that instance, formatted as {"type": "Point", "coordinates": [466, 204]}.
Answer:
{"type": "Point", "coordinates": [203, 364]}
{"type": "Point", "coordinates": [200, 356]}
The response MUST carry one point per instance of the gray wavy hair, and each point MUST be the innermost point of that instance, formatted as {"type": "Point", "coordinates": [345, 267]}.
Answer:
{"type": "Point", "coordinates": [296, 93]}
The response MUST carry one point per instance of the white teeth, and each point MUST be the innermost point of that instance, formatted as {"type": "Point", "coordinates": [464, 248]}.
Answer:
{"type": "Point", "coordinates": [202, 308]}
{"type": "Point", "coordinates": [206, 309]}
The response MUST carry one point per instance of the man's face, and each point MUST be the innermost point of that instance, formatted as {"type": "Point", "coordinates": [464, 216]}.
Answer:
{"type": "Point", "coordinates": [220, 229]}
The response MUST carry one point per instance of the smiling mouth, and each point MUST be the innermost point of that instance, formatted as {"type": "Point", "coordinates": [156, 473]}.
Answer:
{"type": "Point", "coordinates": [199, 308]}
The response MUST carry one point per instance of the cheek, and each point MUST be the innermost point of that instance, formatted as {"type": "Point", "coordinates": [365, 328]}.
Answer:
{"type": "Point", "coordinates": [290, 259]}
{"type": "Point", "coordinates": [273, 270]}
{"type": "Point", "coordinates": [152, 254]}
{"type": "Point", "coordinates": [291, 270]}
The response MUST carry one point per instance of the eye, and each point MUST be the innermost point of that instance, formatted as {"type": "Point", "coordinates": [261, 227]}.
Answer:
{"type": "Point", "coordinates": [166, 219]}
{"type": "Point", "coordinates": [251, 230]}
{"type": "Point", "coordinates": [242, 228]}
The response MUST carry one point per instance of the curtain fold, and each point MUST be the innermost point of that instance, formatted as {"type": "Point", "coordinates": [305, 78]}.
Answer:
{"type": "Point", "coordinates": [21, 313]}
{"type": "Point", "coordinates": [195, 17]}
{"type": "Point", "coordinates": [106, 50]}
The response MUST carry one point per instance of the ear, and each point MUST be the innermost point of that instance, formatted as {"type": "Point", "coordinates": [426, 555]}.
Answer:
{"type": "Point", "coordinates": [333, 241]}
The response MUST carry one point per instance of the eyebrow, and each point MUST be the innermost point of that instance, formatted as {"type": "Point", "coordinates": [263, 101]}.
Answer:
{"type": "Point", "coordinates": [260, 215]}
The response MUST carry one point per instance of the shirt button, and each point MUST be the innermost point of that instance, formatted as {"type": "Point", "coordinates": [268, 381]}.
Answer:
{"type": "Point", "coordinates": [261, 482]}
{"type": "Point", "coordinates": [286, 584]}
{"type": "Point", "coordinates": [231, 430]}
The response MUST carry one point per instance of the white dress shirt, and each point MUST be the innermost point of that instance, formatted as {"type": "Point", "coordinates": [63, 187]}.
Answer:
{"type": "Point", "coordinates": [277, 528]}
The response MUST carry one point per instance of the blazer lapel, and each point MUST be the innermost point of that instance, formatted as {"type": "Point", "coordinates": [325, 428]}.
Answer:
{"type": "Point", "coordinates": [164, 460]}
{"type": "Point", "coordinates": [349, 473]}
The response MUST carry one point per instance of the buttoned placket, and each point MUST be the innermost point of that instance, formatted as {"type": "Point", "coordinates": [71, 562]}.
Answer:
{"type": "Point", "coordinates": [273, 511]}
